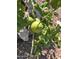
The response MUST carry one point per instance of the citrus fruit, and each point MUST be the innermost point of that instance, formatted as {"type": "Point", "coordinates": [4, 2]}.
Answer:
{"type": "Point", "coordinates": [30, 19]}
{"type": "Point", "coordinates": [36, 26]}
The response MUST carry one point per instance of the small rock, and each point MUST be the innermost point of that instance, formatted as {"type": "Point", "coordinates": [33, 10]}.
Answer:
{"type": "Point", "coordinates": [24, 34]}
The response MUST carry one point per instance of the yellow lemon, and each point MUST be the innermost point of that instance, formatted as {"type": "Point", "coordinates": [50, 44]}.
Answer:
{"type": "Point", "coordinates": [36, 26]}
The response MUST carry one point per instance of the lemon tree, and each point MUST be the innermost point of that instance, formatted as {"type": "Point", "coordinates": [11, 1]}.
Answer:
{"type": "Point", "coordinates": [43, 31]}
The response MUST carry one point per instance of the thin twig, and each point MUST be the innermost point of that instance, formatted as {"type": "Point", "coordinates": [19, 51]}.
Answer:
{"type": "Point", "coordinates": [32, 45]}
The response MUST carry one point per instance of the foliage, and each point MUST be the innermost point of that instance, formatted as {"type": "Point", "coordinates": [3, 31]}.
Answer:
{"type": "Point", "coordinates": [48, 33]}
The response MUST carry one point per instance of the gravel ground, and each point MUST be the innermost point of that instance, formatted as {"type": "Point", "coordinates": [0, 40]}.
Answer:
{"type": "Point", "coordinates": [23, 48]}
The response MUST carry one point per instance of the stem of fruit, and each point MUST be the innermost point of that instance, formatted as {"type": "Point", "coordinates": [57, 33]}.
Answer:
{"type": "Point", "coordinates": [32, 45]}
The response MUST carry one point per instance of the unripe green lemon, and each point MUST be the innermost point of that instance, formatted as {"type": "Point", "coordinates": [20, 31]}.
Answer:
{"type": "Point", "coordinates": [36, 26]}
{"type": "Point", "coordinates": [30, 19]}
